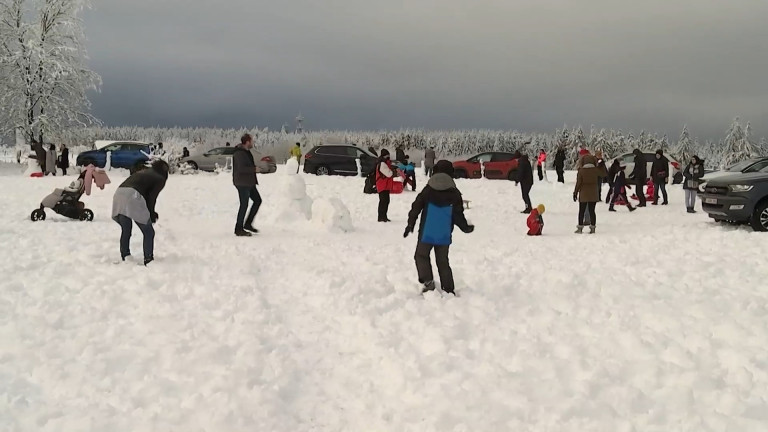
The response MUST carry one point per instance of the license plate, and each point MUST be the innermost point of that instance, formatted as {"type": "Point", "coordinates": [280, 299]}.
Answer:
{"type": "Point", "coordinates": [710, 201]}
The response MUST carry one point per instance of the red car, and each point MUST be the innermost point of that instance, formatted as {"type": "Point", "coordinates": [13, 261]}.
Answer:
{"type": "Point", "coordinates": [498, 165]}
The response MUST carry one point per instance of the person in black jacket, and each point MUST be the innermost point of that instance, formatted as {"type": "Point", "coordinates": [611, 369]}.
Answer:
{"type": "Point", "coordinates": [244, 179]}
{"type": "Point", "coordinates": [185, 152]}
{"type": "Point", "coordinates": [618, 189]}
{"type": "Point", "coordinates": [525, 179]}
{"type": "Point", "coordinates": [400, 154]}
{"type": "Point", "coordinates": [64, 159]}
{"type": "Point", "coordinates": [660, 174]}
{"type": "Point", "coordinates": [692, 175]}
{"type": "Point", "coordinates": [612, 171]}
{"type": "Point", "coordinates": [441, 207]}
{"type": "Point", "coordinates": [640, 174]}
{"type": "Point", "coordinates": [134, 201]}
{"type": "Point", "coordinates": [559, 164]}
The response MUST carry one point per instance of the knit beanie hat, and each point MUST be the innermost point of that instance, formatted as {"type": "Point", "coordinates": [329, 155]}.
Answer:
{"type": "Point", "coordinates": [444, 166]}
{"type": "Point", "coordinates": [540, 208]}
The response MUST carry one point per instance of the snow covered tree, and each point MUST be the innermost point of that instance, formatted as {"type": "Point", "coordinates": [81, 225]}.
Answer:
{"type": "Point", "coordinates": [763, 147]}
{"type": "Point", "coordinates": [43, 64]}
{"type": "Point", "coordinates": [737, 145]}
{"type": "Point", "coordinates": [685, 148]}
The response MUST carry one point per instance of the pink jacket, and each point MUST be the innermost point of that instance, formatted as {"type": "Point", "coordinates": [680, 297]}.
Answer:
{"type": "Point", "coordinates": [95, 175]}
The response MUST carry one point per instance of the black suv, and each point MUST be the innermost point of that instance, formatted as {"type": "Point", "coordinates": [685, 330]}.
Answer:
{"type": "Point", "coordinates": [738, 198]}
{"type": "Point", "coordinates": [340, 159]}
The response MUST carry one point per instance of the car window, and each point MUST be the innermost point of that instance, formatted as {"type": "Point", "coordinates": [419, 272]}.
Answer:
{"type": "Point", "coordinates": [112, 147]}
{"type": "Point", "coordinates": [215, 152]}
{"type": "Point", "coordinates": [228, 151]}
{"type": "Point", "coordinates": [764, 170]}
{"type": "Point", "coordinates": [630, 158]}
{"type": "Point", "coordinates": [332, 150]}
{"type": "Point", "coordinates": [757, 167]}
{"type": "Point", "coordinates": [502, 157]}
{"type": "Point", "coordinates": [740, 166]}
{"type": "Point", "coordinates": [485, 157]}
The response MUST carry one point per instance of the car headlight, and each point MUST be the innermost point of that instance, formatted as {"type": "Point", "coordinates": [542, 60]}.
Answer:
{"type": "Point", "coordinates": [741, 188]}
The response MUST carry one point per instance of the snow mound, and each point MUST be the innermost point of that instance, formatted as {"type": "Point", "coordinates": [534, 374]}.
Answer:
{"type": "Point", "coordinates": [291, 203]}
{"type": "Point", "coordinates": [32, 167]}
{"type": "Point", "coordinates": [332, 214]}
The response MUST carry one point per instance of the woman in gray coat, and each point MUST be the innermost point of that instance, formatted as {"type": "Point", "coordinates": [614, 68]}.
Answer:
{"type": "Point", "coordinates": [50, 160]}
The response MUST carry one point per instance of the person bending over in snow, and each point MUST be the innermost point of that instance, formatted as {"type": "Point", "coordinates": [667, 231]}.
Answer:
{"type": "Point", "coordinates": [619, 189]}
{"type": "Point", "coordinates": [410, 173]}
{"type": "Point", "coordinates": [134, 201]}
{"type": "Point", "coordinates": [535, 221]}
{"type": "Point", "coordinates": [441, 207]}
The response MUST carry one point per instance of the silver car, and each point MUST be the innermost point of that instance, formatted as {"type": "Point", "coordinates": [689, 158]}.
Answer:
{"type": "Point", "coordinates": [628, 160]}
{"type": "Point", "coordinates": [221, 157]}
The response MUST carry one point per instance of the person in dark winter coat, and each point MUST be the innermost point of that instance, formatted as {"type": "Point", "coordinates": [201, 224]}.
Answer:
{"type": "Point", "coordinates": [135, 201]}
{"type": "Point", "coordinates": [612, 171]}
{"type": "Point", "coordinates": [429, 161]}
{"type": "Point", "coordinates": [385, 175]}
{"type": "Point", "coordinates": [619, 185]}
{"type": "Point", "coordinates": [525, 179]}
{"type": "Point", "coordinates": [64, 159]}
{"type": "Point", "coordinates": [640, 174]}
{"type": "Point", "coordinates": [245, 180]}
{"type": "Point", "coordinates": [441, 207]}
{"type": "Point", "coordinates": [185, 152]}
{"type": "Point", "coordinates": [400, 154]}
{"type": "Point", "coordinates": [559, 164]}
{"type": "Point", "coordinates": [40, 155]}
{"type": "Point", "coordinates": [585, 192]}
{"type": "Point", "coordinates": [692, 175]}
{"type": "Point", "coordinates": [660, 174]}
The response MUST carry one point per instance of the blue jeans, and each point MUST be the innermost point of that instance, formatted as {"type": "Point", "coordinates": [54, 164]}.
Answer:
{"type": "Point", "coordinates": [147, 231]}
{"type": "Point", "coordinates": [244, 193]}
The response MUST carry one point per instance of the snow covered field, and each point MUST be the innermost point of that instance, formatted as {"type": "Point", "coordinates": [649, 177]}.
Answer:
{"type": "Point", "coordinates": [657, 323]}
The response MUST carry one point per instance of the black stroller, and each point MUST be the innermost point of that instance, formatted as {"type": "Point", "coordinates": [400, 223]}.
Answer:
{"type": "Point", "coordinates": [66, 202]}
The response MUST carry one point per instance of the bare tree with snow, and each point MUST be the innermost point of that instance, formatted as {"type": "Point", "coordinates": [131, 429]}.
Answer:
{"type": "Point", "coordinates": [43, 64]}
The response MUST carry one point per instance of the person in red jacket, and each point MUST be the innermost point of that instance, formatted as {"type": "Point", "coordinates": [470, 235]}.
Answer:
{"type": "Point", "coordinates": [535, 221]}
{"type": "Point", "coordinates": [541, 163]}
{"type": "Point", "coordinates": [384, 183]}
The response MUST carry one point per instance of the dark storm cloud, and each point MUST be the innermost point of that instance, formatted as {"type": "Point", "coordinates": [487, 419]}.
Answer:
{"type": "Point", "coordinates": [352, 64]}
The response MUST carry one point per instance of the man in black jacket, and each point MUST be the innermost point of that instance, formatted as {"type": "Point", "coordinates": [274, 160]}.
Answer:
{"type": "Point", "coordinates": [660, 174]}
{"type": "Point", "coordinates": [560, 164]}
{"type": "Point", "coordinates": [640, 174]}
{"type": "Point", "coordinates": [441, 207]}
{"type": "Point", "coordinates": [525, 179]}
{"type": "Point", "coordinates": [134, 201]}
{"type": "Point", "coordinates": [244, 179]}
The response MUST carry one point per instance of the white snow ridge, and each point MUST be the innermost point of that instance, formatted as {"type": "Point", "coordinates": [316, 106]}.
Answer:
{"type": "Point", "coordinates": [657, 323]}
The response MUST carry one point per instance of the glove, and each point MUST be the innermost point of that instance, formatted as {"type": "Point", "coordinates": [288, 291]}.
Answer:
{"type": "Point", "coordinates": [408, 230]}
{"type": "Point", "coordinates": [153, 217]}
{"type": "Point", "coordinates": [575, 197]}
{"type": "Point", "coordinates": [469, 229]}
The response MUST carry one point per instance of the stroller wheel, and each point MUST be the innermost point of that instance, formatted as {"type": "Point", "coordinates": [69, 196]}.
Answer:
{"type": "Point", "coordinates": [37, 215]}
{"type": "Point", "coordinates": [86, 215]}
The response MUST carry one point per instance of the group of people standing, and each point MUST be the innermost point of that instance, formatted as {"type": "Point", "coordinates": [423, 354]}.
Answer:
{"type": "Point", "coordinates": [48, 160]}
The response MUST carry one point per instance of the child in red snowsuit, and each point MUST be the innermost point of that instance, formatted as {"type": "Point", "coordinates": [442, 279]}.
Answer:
{"type": "Point", "coordinates": [535, 221]}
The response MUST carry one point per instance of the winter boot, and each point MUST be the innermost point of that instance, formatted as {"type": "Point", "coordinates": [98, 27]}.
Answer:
{"type": "Point", "coordinates": [526, 211]}
{"type": "Point", "coordinates": [251, 229]}
{"type": "Point", "coordinates": [611, 209]}
{"type": "Point", "coordinates": [242, 233]}
{"type": "Point", "coordinates": [148, 260]}
{"type": "Point", "coordinates": [591, 229]}
{"type": "Point", "coordinates": [631, 209]}
{"type": "Point", "coordinates": [579, 229]}
{"type": "Point", "coordinates": [428, 286]}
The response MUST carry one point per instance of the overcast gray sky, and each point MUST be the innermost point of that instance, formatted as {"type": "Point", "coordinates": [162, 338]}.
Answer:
{"type": "Point", "coordinates": [530, 65]}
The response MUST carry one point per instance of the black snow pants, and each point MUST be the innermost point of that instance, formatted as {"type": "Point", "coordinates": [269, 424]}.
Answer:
{"type": "Point", "coordinates": [424, 265]}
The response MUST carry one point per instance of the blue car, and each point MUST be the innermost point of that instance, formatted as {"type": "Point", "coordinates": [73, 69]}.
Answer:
{"type": "Point", "coordinates": [124, 155]}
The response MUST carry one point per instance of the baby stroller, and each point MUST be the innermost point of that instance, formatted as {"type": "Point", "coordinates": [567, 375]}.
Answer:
{"type": "Point", "coordinates": [66, 202]}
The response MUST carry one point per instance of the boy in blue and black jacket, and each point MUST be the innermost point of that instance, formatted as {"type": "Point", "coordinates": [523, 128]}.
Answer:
{"type": "Point", "coordinates": [441, 207]}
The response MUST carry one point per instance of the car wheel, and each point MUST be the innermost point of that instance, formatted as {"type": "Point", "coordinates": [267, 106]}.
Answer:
{"type": "Point", "coordinates": [459, 174]}
{"type": "Point", "coordinates": [37, 215]}
{"type": "Point", "coordinates": [193, 165]}
{"type": "Point", "coordinates": [86, 215]}
{"type": "Point", "coordinates": [322, 171]}
{"type": "Point", "coordinates": [759, 220]}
